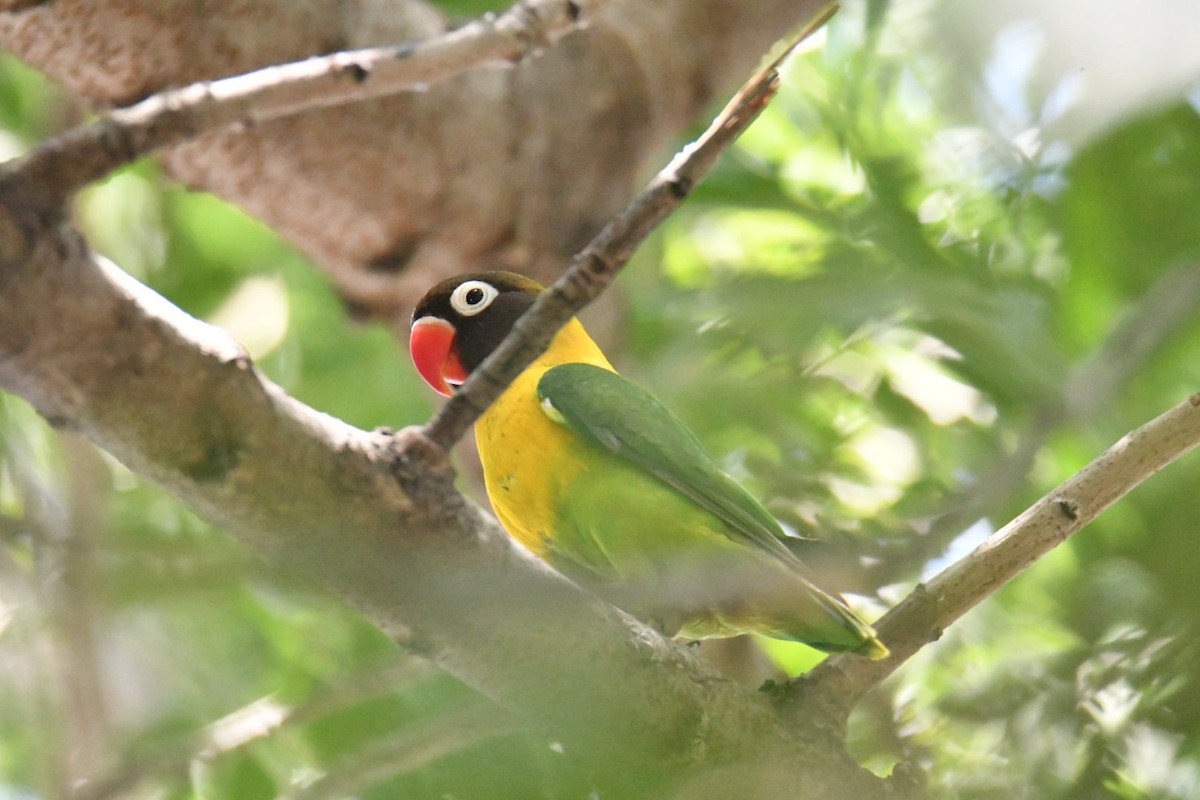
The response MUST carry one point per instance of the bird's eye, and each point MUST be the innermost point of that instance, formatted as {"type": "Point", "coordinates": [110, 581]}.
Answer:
{"type": "Point", "coordinates": [471, 297]}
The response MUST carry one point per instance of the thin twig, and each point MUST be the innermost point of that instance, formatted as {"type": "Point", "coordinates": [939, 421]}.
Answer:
{"type": "Point", "coordinates": [838, 683]}
{"type": "Point", "coordinates": [65, 164]}
{"type": "Point", "coordinates": [595, 267]}
{"type": "Point", "coordinates": [408, 750]}
{"type": "Point", "coordinates": [242, 728]}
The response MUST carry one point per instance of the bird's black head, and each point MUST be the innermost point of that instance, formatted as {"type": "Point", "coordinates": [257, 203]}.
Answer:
{"type": "Point", "coordinates": [462, 319]}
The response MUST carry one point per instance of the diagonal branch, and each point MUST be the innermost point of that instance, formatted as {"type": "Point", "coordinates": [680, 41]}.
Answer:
{"type": "Point", "coordinates": [595, 267]}
{"type": "Point", "coordinates": [178, 402]}
{"type": "Point", "coordinates": [838, 683]}
{"type": "Point", "coordinates": [65, 164]}
{"type": "Point", "coordinates": [1162, 311]}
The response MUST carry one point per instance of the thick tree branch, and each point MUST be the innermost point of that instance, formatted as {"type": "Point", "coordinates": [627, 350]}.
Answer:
{"type": "Point", "coordinates": [64, 165]}
{"type": "Point", "coordinates": [322, 499]}
{"type": "Point", "coordinates": [838, 683]}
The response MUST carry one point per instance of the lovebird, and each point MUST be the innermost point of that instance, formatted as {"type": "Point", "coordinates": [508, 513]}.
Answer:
{"type": "Point", "coordinates": [594, 475]}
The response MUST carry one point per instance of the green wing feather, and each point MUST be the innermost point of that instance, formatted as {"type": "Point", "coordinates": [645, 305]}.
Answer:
{"type": "Point", "coordinates": [620, 417]}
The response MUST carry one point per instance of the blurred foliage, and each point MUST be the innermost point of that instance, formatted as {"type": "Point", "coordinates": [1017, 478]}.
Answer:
{"type": "Point", "coordinates": [898, 316]}
{"type": "Point", "coordinates": [902, 321]}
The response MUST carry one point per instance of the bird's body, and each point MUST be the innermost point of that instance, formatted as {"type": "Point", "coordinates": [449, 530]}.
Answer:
{"type": "Point", "coordinates": [592, 474]}
{"type": "Point", "coordinates": [516, 433]}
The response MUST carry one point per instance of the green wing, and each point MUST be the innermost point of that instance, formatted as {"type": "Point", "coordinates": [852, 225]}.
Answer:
{"type": "Point", "coordinates": [620, 417]}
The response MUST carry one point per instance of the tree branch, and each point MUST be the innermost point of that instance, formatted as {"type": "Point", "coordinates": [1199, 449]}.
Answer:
{"type": "Point", "coordinates": [65, 164]}
{"type": "Point", "coordinates": [837, 684]}
{"type": "Point", "coordinates": [1161, 312]}
{"type": "Point", "coordinates": [511, 168]}
{"type": "Point", "coordinates": [322, 499]}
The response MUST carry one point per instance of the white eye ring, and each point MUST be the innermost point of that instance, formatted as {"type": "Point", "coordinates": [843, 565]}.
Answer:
{"type": "Point", "coordinates": [471, 297]}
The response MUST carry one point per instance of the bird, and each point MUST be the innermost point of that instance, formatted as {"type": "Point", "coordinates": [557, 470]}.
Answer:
{"type": "Point", "coordinates": [593, 474]}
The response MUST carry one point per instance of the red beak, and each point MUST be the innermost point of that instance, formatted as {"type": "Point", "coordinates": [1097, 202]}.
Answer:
{"type": "Point", "coordinates": [431, 344]}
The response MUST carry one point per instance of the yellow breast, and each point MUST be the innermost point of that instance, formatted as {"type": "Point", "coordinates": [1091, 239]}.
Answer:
{"type": "Point", "coordinates": [526, 457]}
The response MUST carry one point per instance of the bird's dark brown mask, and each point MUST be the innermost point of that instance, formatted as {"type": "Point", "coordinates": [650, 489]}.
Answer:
{"type": "Point", "coordinates": [461, 320]}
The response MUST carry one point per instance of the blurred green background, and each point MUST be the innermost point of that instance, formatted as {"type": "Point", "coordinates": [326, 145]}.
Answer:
{"type": "Point", "coordinates": [932, 282]}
